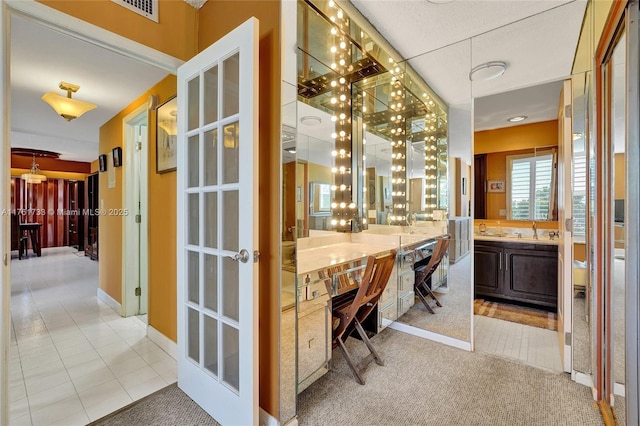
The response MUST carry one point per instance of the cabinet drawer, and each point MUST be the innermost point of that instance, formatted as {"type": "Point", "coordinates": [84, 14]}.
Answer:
{"type": "Point", "coordinates": [314, 340]}
{"type": "Point", "coordinates": [405, 282]}
{"type": "Point", "coordinates": [405, 303]}
{"type": "Point", "coordinates": [387, 315]}
{"type": "Point", "coordinates": [390, 292]}
{"type": "Point", "coordinates": [407, 259]}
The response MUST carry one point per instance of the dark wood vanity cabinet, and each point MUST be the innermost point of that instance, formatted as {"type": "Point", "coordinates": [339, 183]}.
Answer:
{"type": "Point", "coordinates": [520, 272]}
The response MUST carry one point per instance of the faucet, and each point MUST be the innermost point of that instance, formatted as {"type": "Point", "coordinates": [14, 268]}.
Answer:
{"type": "Point", "coordinates": [535, 231]}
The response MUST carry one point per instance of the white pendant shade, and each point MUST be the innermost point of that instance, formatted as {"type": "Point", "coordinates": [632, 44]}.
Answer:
{"type": "Point", "coordinates": [34, 175]}
{"type": "Point", "coordinates": [65, 106]}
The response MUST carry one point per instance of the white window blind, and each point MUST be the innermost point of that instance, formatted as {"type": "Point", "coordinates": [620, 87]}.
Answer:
{"type": "Point", "coordinates": [579, 193]}
{"type": "Point", "coordinates": [529, 187]}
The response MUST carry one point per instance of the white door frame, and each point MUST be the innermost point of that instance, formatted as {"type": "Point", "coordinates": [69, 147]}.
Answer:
{"type": "Point", "coordinates": [135, 239]}
{"type": "Point", "coordinates": [52, 18]}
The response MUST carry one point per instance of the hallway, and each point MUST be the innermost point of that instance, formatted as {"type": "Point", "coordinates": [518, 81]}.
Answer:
{"type": "Point", "coordinates": [73, 358]}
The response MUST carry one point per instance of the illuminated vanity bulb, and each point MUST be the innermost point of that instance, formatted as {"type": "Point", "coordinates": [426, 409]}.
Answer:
{"type": "Point", "coordinates": [334, 66]}
{"type": "Point", "coordinates": [334, 170]}
{"type": "Point", "coordinates": [393, 130]}
{"type": "Point", "coordinates": [343, 205]}
{"type": "Point", "coordinates": [343, 187]}
{"type": "Point", "coordinates": [334, 222]}
{"type": "Point", "coordinates": [334, 101]}
{"type": "Point", "coordinates": [343, 222]}
{"type": "Point", "coordinates": [364, 108]}
{"type": "Point", "coordinates": [343, 45]}
{"type": "Point", "coordinates": [334, 205]}
{"type": "Point", "coordinates": [333, 49]}
{"type": "Point", "coordinates": [333, 135]}
{"type": "Point", "coordinates": [364, 141]}
{"type": "Point", "coordinates": [342, 133]}
{"type": "Point", "coordinates": [342, 169]}
{"type": "Point", "coordinates": [334, 118]}
{"type": "Point", "coordinates": [341, 62]}
{"type": "Point", "coordinates": [334, 153]}
{"type": "Point", "coordinates": [343, 98]}
{"type": "Point", "coordinates": [340, 15]}
{"type": "Point", "coordinates": [342, 152]}
{"type": "Point", "coordinates": [331, 3]}
{"type": "Point", "coordinates": [397, 69]}
{"type": "Point", "coordinates": [334, 30]}
{"type": "Point", "coordinates": [333, 187]}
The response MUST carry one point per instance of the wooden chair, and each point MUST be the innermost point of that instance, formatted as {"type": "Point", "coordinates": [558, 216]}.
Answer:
{"type": "Point", "coordinates": [424, 272]}
{"type": "Point", "coordinates": [18, 239]}
{"type": "Point", "coordinates": [349, 313]}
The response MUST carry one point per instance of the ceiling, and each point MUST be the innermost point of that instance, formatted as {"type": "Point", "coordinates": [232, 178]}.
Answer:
{"type": "Point", "coordinates": [537, 39]}
{"type": "Point", "coordinates": [40, 59]}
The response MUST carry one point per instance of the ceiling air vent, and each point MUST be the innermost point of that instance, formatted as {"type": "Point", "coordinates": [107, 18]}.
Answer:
{"type": "Point", "coordinates": [146, 8]}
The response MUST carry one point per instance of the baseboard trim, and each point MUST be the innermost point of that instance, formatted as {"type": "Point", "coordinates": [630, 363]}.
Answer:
{"type": "Point", "coordinates": [582, 379]}
{"type": "Point", "coordinates": [618, 389]}
{"type": "Point", "coordinates": [166, 344]}
{"type": "Point", "coordinates": [429, 335]}
{"type": "Point", "coordinates": [113, 303]}
{"type": "Point", "coordinates": [267, 419]}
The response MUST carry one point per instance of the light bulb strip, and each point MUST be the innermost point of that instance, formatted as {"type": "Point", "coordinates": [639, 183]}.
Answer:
{"type": "Point", "coordinates": [343, 209]}
{"type": "Point", "coordinates": [398, 124]}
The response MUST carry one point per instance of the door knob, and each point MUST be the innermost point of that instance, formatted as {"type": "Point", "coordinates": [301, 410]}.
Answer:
{"type": "Point", "coordinates": [242, 256]}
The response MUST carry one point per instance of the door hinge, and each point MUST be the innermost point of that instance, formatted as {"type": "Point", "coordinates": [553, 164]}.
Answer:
{"type": "Point", "coordinates": [139, 146]}
{"type": "Point", "coordinates": [567, 339]}
{"type": "Point", "coordinates": [138, 218]}
{"type": "Point", "coordinates": [138, 291]}
{"type": "Point", "coordinates": [567, 111]}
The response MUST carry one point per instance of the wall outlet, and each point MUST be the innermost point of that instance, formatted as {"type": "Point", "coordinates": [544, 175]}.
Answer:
{"type": "Point", "coordinates": [502, 212]}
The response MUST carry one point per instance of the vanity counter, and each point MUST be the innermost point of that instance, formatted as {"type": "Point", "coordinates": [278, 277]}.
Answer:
{"type": "Point", "coordinates": [312, 259]}
{"type": "Point", "coordinates": [514, 239]}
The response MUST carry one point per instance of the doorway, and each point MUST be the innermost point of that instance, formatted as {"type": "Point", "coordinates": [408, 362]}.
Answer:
{"type": "Point", "coordinates": [89, 354]}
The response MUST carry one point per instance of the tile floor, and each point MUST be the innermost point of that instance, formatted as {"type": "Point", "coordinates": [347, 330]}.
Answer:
{"type": "Point", "coordinates": [73, 358]}
{"type": "Point", "coordinates": [532, 345]}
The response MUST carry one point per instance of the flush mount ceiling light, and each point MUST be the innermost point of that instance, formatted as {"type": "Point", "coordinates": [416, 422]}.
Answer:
{"type": "Point", "coordinates": [65, 106]}
{"type": "Point", "coordinates": [34, 175]}
{"type": "Point", "coordinates": [310, 120]}
{"type": "Point", "coordinates": [488, 71]}
{"type": "Point", "coordinates": [517, 118]}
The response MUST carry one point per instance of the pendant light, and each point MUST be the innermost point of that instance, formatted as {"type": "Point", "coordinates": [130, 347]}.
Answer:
{"type": "Point", "coordinates": [65, 106]}
{"type": "Point", "coordinates": [34, 175]}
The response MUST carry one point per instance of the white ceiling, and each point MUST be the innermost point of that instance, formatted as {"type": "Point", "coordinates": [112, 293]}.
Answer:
{"type": "Point", "coordinates": [40, 59]}
{"type": "Point", "coordinates": [443, 42]}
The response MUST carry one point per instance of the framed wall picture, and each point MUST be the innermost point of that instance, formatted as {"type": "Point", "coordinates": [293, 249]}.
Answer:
{"type": "Point", "coordinates": [102, 162]}
{"type": "Point", "coordinates": [117, 156]}
{"type": "Point", "coordinates": [166, 136]}
{"type": "Point", "coordinates": [495, 186]}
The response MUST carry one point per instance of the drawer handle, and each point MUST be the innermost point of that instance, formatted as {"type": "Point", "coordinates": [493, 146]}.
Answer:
{"type": "Point", "coordinates": [500, 261]}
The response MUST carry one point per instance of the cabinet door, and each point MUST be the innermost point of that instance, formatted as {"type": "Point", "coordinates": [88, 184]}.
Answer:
{"type": "Point", "coordinates": [531, 276]}
{"type": "Point", "coordinates": [488, 270]}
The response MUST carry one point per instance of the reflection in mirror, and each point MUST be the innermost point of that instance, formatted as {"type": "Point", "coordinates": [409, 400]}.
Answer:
{"type": "Point", "coordinates": [582, 290]}
{"type": "Point", "coordinates": [288, 337]}
{"type": "Point", "coordinates": [616, 72]}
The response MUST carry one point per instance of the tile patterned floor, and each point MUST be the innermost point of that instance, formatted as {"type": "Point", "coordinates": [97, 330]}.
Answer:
{"type": "Point", "coordinates": [534, 346]}
{"type": "Point", "coordinates": [73, 358]}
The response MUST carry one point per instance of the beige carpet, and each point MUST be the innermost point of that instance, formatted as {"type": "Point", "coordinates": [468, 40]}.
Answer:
{"type": "Point", "coordinates": [520, 314]}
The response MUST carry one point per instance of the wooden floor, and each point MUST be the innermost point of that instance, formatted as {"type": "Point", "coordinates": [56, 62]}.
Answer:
{"type": "Point", "coordinates": [532, 345]}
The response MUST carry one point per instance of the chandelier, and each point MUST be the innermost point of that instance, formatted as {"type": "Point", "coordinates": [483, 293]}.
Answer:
{"type": "Point", "coordinates": [34, 175]}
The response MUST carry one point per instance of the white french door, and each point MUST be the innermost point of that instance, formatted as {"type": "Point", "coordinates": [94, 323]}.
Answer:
{"type": "Point", "coordinates": [217, 227]}
{"type": "Point", "coordinates": [565, 212]}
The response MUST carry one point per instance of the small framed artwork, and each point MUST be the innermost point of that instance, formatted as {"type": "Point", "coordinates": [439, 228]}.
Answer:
{"type": "Point", "coordinates": [117, 156]}
{"type": "Point", "coordinates": [495, 186]}
{"type": "Point", "coordinates": [166, 136]}
{"type": "Point", "coordinates": [102, 162]}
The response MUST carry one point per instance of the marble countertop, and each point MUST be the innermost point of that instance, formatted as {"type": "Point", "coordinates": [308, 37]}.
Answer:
{"type": "Point", "coordinates": [312, 259]}
{"type": "Point", "coordinates": [515, 239]}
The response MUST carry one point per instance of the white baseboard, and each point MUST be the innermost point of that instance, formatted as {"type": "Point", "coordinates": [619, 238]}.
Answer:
{"type": "Point", "coordinates": [267, 419]}
{"type": "Point", "coordinates": [429, 335]}
{"type": "Point", "coordinates": [618, 389]}
{"type": "Point", "coordinates": [113, 303]}
{"type": "Point", "coordinates": [166, 344]}
{"type": "Point", "coordinates": [292, 422]}
{"type": "Point", "coordinates": [582, 379]}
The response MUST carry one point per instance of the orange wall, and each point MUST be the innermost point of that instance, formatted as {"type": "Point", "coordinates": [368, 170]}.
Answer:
{"type": "Point", "coordinates": [174, 34]}
{"type": "Point", "coordinates": [500, 143]}
{"type": "Point", "coordinates": [515, 138]}
{"type": "Point", "coordinates": [162, 231]}
{"type": "Point", "coordinates": [619, 175]}
{"type": "Point", "coordinates": [220, 18]}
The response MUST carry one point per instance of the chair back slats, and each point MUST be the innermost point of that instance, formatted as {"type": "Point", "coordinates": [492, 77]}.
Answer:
{"type": "Point", "coordinates": [374, 280]}
{"type": "Point", "coordinates": [438, 253]}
